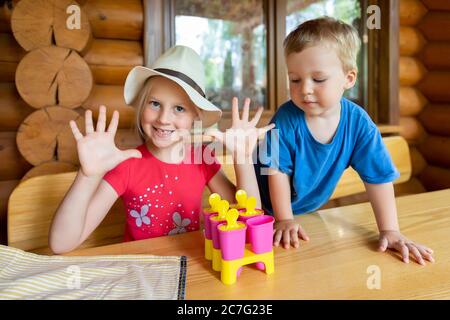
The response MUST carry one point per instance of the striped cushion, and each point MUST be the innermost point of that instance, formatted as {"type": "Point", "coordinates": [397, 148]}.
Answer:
{"type": "Point", "coordinates": [25, 275]}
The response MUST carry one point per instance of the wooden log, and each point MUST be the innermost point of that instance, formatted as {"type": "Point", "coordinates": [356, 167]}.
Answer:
{"type": "Point", "coordinates": [116, 19]}
{"type": "Point", "coordinates": [411, 71]}
{"type": "Point", "coordinates": [435, 86]}
{"type": "Point", "coordinates": [112, 98]}
{"type": "Point", "coordinates": [437, 4]}
{"type": "Point", "coordinates": [8, 71]}
{"type": "Point", "coordinates": [435, 178]}
{"type": "Point", "coordinates": [436, 150]}
{"type": "Point", "coordinates": [418, 162]}
{"type": "Point", "coordinates": [411, 41]}
{"type": "Point", "coordinates": [12, 165]}
{"type": "Point", "coordinates": [111, 60]}
{"type": "Point", "coordinates": [12, 108]}
{"type": "Point", "coordinates": [41, 23]}
{"type": "Point", "coordinates": [435, 56]}
{"type": "Point", "coordinates": [411, 101]}
{"type": "Point", "coordinates": [110, 75]}
{"type": "Point", "coordinates": [435, 26]}
{"type": "Point", "coordinates": [412, 130]}
{"type": "Point", "coordinates": [6, 188]}
{"type": "Point", "coordinates": [10, 51]}
{"type": "Point", "coordinates": [51, 167]}
{"type": "Point", "coordinates": [53, 76]}
{"type": "Point", "coordinates": [412, 186]}
{"type": "Point", "coordinates": [410, 12]}
{"type": "Point", "coordinates": [435, 119]}
{"type": "Point", "coordinates": [45, 136]}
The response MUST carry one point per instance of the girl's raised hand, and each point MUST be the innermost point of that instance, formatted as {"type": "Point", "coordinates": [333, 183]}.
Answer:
{"type": "Point", "coordinates": [96, 150]}
{"type": "Point", "coordinates": [242, 137]}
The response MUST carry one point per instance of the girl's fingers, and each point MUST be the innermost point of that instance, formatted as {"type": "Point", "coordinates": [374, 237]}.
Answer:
{"type": "Point", "coordinates": [294, 238]}
{"type": "Point", "coordinates": [277, 237]}
{"type": "Point", "coordinates": [256, 117]}
{"type": "Point", "coordinates": [383, 244]}
{"type": "Point", "coordinates": [234, 110]}
{"type": "Point", "coordinates": [286, 239]}
{"type": "Point", "coordinates": [424, 252]}
{"type": "Point", "coordinates": [101, 121]}
{"type": "Point", "coordinates": [246, 110]}
{"type": "Point", "coordinates": [262, 131]}
{"type": "Point", "coordinates": [88, 122]}
{"type": "Point", "coordinates": [76, 132]}
{"type": "Point", "coordinates": [112, 128]}
{"type": "Point", "coordinates": [413, 250]}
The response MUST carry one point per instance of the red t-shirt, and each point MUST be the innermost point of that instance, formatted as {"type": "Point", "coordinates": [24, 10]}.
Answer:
{"type": "Point", "coordinates": [162, 198]}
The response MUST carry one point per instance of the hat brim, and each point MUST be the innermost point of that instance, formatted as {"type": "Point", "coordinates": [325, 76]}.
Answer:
{"type": "Point", "coordinates": [209, 113]}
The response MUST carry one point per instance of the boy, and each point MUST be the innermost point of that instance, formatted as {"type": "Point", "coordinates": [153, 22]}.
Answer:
{"type": "Point", "coordinates": [319, 134]}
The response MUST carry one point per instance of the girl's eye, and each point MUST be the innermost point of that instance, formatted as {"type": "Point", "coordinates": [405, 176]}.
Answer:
{"type": "Point", "coordinates": [320, 80]}
{"type": "Point", "coordinates": [179, 109]}
{"type": "Point", "coordinates": [295, 80]}
{"type": "Point", "coordinates": [154, 104]}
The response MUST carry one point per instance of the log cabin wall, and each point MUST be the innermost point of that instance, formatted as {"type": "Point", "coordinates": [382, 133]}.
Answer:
{"type": "Point", "coordinates": [424, 91]}
{"type": "Point", "coordinates": [34, 139]}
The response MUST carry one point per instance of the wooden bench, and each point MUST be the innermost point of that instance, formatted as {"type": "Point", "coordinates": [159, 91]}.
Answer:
{"type": "Point", "coordinates": [34, 201]}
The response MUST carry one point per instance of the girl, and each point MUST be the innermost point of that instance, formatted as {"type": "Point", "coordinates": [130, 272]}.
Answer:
{"type": "Point", "coordinates": [161, 189]}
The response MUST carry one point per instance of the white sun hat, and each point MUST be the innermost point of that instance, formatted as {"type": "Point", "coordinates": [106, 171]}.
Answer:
{"type": "Point", "coordinates": [184, 66]}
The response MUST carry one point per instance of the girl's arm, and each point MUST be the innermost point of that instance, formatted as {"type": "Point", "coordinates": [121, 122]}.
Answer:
{"type": "Point", "coordinates": [240, 140]}
{"type": "Point", "coordinates": [382, 199]}
{"type": "Point", "coordinates": [89, 198]}
{"type": "Point", "coordinates": [83, 208]}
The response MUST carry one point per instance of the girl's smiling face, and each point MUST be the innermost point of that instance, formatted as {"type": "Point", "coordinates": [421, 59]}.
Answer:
{"type": "Point", "coordinates": [317, 80]}
{"type": "Point", "coordinates": [168, 114]}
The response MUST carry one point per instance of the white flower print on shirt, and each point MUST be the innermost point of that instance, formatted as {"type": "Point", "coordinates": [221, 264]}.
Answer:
{"type": "Point", "coordinates": [179, 224]}
{"type": "Point", "coordinates": [141, 217]}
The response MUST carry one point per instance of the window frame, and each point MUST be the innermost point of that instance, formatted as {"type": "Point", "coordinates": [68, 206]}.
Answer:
{"type": "Point", "coordinates": [382, 51]}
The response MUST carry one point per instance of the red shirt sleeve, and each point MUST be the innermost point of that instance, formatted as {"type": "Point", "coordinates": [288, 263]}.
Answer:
{"type": "Point", "coordinates": [210, 164]}
{"type": "Point", "coordinates": [118, 177]}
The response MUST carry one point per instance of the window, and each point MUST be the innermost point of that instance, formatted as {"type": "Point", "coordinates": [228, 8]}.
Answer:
{"type": "Point", "coordinates": [241, 44]}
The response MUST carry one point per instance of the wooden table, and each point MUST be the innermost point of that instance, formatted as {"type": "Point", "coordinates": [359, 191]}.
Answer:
{"type": "Point", "coordinates": [334, 264]}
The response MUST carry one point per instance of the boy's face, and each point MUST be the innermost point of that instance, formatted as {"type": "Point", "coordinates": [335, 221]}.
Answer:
{"type": "Point", "coordinates": [317, 80]}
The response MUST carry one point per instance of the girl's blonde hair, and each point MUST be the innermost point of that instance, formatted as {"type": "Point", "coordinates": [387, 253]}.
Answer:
{"type": "Point", "coordinates": [139, 105]}
{"type": "Point", "coordinates": [329, 31]}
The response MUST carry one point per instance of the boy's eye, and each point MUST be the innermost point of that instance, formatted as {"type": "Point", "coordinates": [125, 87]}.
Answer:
{"type": "Point", "coordinates": [154, 104]}
{"type": "Point", "coordinates": [179, 109]}
{"type": "Point", "coordinates": [320, 80]}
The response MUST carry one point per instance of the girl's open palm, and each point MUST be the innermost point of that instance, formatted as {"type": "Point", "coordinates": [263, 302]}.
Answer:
{"type": "Point", "coordinates": [242, 137]}
{"type": "Point", "coordinates": [96, 150]}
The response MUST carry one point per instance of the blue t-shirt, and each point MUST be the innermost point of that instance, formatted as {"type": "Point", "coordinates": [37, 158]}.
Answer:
{"type": "Point", "coordinates": [315, 168]}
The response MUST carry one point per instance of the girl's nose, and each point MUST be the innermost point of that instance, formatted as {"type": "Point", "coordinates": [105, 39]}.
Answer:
{"type": "Point", "coordinates": [164, 116]}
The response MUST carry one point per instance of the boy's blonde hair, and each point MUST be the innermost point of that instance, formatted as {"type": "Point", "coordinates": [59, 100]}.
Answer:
{"type": "Point", "coordinates": [328, 31]}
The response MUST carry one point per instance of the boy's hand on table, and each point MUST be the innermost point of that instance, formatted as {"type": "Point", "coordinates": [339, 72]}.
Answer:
{"type": "Point", "coordinates": [288, 232]}
{"type": "Point", "coordinates": [391, 239]}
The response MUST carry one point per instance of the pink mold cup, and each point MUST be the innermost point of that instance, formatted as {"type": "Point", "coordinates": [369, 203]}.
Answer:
{"type": "Point", "coordinates": [207, 223]}
{"type": "Point", "coordinates": [232, 242]}
{"type": "Point", "coordinates": [244, 218]}
{"type": "Point", "coordinates": [260, 233]}
{"type": "Point", "coordinates": [214, 222]}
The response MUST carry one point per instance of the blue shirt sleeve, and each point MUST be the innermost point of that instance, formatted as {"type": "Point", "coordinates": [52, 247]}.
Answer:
{"type": "Point", "coordinates": [276, 151]}
{"type": "Point", "coordinates": [372, 160]}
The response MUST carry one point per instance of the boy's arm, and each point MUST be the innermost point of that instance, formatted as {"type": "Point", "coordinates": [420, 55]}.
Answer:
{"type": "Point", "coordinates": [287, 230]}
{"type": "Point", "coordinates": [382, 199]}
